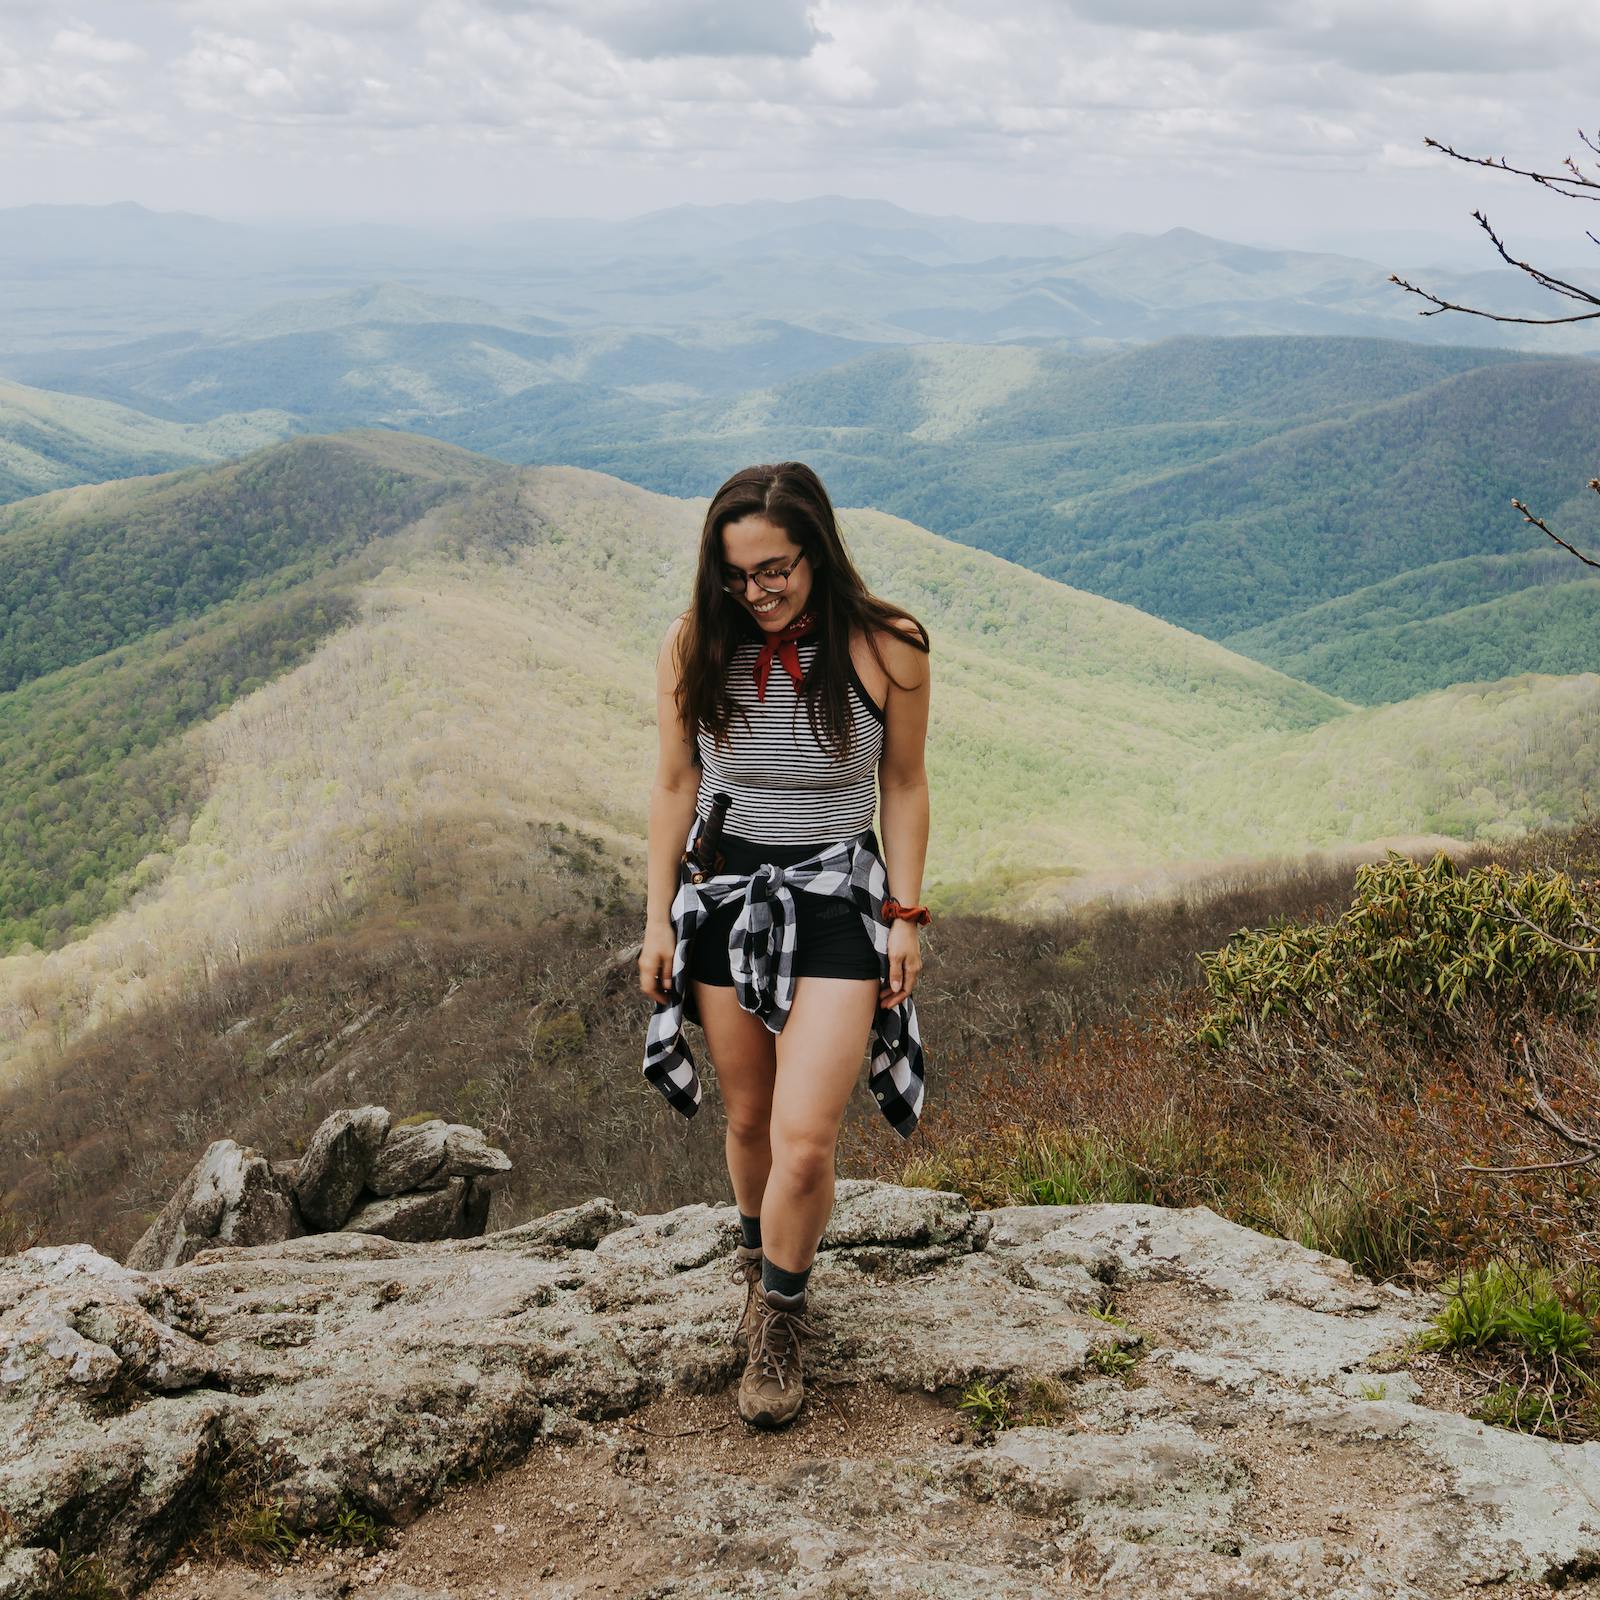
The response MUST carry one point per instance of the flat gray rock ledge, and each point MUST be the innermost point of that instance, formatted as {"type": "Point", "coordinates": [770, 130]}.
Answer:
{"type": "Point", "coordinates": [1271, 1441]}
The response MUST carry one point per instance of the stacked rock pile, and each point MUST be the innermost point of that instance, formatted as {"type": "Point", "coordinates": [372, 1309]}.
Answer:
{"type": "Point", "coordinates": [360, 1174]}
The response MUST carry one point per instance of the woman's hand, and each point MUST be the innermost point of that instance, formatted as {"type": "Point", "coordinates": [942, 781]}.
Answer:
{"type": "Point", "coordinates": [655, 961]}
{"type": "Point", "coordinates": [905, 962]}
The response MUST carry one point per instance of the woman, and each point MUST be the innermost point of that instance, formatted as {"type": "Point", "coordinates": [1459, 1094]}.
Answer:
{"type": "Point", "coordinates": [780, 936]}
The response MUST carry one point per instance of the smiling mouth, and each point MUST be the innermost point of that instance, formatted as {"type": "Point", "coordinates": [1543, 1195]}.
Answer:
{"type": "Point", "coordinates": [768, 606]}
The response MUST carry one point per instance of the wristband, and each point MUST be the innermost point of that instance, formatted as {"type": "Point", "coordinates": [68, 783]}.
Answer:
{"type": "Point", "coordinates": [918, 914]}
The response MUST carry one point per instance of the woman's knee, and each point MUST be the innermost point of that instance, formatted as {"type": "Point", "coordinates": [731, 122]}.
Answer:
{"type": "Point", "coordinates": [805, 1157]}
{"type": "Point", "coordinates": [748, 1119]}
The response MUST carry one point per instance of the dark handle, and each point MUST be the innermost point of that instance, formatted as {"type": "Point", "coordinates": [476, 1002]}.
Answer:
{"type": "Point", "coordinates": [706, 859]}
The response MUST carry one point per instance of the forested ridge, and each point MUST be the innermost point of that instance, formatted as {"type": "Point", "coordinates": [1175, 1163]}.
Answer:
{"type": "Point", "coordinates": [1229, 484]}
{"type": "Point", "coordinates": [74, 586]}
{"type": "Point", "coordinates": [1475, 618]}
{"type": "Point", "coordinates": [1332, 506]}
{"type": "Point", "coordinates": [132, 612]}
{"type": "Point", "coordinates": [93, 774]}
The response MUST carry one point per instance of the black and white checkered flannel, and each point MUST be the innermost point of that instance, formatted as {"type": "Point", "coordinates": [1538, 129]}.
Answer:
{"type": "Point", "coordinates": [761, 958]}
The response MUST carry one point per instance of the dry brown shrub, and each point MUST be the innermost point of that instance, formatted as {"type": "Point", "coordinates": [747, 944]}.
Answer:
{"type": "Point", "coordinates": [1054, 1054]}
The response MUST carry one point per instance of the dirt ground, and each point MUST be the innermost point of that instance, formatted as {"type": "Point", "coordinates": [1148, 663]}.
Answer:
{"type": "Point", "coordinates": [562, 1519]}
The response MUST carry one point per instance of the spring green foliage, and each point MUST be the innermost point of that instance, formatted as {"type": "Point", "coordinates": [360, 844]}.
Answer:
{"type": "Point", "coordinates": [1336, 507]}
{"type": "Point", "coordinates": [1475, 1314]}
{"type": "Point", "coordinates": [50, 440]}
{"type": "Point", "coordinates": [1539, 1333]}
{"type": "Point", "coordinates": [988, 1404]}
{"type": "Point", "coordinates": [1112, 1360]}
{"type": "Point", "coordinates": [1415, 941]}
{"type": "Point", "coordinates": [1499, 1303]}
{"type": "Point", "coordinates": [1462, 621]}
{"type": "Point", "coordinates": [93, 772]}
{"type": "Point", "coordinates": [993, 1406]}
{"type": "Point", "coordinates": [86, 571]}
{"type": "Point", "coordinates": [352, 1526]}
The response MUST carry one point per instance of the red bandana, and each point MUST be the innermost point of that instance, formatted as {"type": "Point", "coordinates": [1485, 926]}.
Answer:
{"type": "Point", "coordinates": [783, 646]}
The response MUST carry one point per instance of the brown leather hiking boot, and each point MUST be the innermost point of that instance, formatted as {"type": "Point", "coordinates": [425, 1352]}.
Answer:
{"type": "Point", "coordinates": [747, 1270]}
{"type": "Point", "coordinates": [771, 1389]}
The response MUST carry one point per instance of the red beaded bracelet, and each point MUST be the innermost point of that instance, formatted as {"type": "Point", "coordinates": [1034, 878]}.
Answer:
{"type": "Point", "coordinates": [918, 914]}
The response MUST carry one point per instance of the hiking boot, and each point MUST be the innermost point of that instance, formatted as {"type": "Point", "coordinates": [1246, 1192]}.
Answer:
{"type": "Point", "coordinates": [747, 1270]}
{"type": "Point", "coordinates": [771, 1389]}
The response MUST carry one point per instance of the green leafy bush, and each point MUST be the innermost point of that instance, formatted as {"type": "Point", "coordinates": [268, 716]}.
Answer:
{"type": "Point", "coordinates": [1416, 941]}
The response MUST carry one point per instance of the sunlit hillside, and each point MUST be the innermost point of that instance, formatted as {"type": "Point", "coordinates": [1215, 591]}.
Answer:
{"type": "Point", "coordinates": [1337, 508]}
{"type": "Point", "coordinates": [50, 440]}
{"type": "Point", "coordinates": [481, 731]}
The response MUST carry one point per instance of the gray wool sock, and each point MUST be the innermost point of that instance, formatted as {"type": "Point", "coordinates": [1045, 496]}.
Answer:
{"type": "Point", "coordinates": [789, 1284]}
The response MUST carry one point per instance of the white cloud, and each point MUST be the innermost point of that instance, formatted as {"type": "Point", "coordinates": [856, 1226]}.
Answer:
{"type": "Point", "coordinates": [651, 29]}
{"type": "Point", "coordinates": [88, 45]}
{"type": "Point", "coordinates": [1202, 95]}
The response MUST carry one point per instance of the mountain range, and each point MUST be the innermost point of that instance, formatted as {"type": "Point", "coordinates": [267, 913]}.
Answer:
{"type": "Point", "coordinates": [1337, 507]}
{"type": "Point", "coordinates": [81, 277]}
{"type": "Point", "coordinates": [251, 702]}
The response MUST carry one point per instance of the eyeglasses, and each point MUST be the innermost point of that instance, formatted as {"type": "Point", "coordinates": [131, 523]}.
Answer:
{"type": "Point", "coordinates": [774, 580]}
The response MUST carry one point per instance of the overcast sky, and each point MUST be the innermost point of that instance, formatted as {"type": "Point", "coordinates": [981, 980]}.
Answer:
{"type": "Point", "coordinates": [1261, 120]}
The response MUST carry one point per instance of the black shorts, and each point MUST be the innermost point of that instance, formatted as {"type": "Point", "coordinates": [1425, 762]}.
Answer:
{"type": "Point", "coordinates": [830, 940]}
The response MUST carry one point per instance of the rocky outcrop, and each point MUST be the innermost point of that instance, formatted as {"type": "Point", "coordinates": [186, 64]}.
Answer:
{"type": "Point", "coordinates": [336, 1165]}
{"type": "Point", "coordinates": [1249, 1428]}
{"type": "Point", "coordinates": [430, 1180]}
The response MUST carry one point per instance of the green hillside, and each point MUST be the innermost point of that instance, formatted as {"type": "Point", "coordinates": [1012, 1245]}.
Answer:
{"type": "Point", "coordinates": [1475, 618]}
{"type": "Point", "coordinates": [964, 437]}
{"type": "Point", "coordinates": [1483, 761]}
{"type": "Point", "coordinates": [231, 578]}
{"type": "Point", "coordinates": [83, 571]}
{"type": "Point", "coordinates": [51, 441]}
{"type": "Point", "coordinates": [131, 612]}
{"type": "Point", "coordinates": [1319, 510]}
{"type": "Point", "coordinates": [1261, 491]}
{"type": "Point", "coordinates": [94, 775]}
{"type": "Point", "coordinates": [464, 711]}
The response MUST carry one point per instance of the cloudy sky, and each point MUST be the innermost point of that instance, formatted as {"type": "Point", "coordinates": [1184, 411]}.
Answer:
{"type": "Point", "coordinates": [1265, 120]}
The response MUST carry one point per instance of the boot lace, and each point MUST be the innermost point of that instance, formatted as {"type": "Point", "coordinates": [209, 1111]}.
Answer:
{"type": "Point", "coordinates": [747, 1273]}
{"type": "Point", "coordinates": [777, 1340]}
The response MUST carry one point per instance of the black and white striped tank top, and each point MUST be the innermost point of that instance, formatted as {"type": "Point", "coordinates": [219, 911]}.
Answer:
{"type": "Point", "coordinates": [786, 787]}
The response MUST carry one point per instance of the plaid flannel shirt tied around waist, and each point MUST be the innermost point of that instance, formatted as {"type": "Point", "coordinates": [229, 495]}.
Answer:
{"type": "Point", "coordinates": [761, 950]}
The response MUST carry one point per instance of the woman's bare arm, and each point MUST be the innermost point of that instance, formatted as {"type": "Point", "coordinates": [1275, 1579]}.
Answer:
{"type": "Point", "coordinates": [902, 774]}
{"type": "Point", "coordinates": [672, 795]}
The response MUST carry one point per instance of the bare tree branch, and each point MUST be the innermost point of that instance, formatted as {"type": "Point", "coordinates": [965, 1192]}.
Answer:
{"type": "Point", "coordinates": [1542, 1111]}
{"type": "Point", "coordinates": [1493, 316]}
{"type": "Point", "coordinates": [1534, 1166]}
{"type": "Point", "coordinates": [1574, 186]}
{"type": "Point", "coordinates": [1539, 522]}
{"type": "Point", "coordinates": [1543, 279]}
{"type": "Point", "coordinates": [1546, 280]}
{"type": "Point", "coordinates": [1550, 180]}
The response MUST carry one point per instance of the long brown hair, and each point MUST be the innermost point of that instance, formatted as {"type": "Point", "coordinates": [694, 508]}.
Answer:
{"type": "Point", "coordinates": [791, 495]}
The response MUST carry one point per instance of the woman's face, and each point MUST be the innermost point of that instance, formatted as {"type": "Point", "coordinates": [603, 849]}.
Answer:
{"type": "Point", "coordinates": [754, 544]}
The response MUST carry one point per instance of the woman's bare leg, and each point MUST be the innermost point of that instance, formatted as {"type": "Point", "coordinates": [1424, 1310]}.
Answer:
{"type": "Point", "coordinates": [819, 1058]}
{"type": "Point", "coordinates": [741, 1049]}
